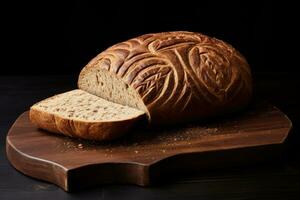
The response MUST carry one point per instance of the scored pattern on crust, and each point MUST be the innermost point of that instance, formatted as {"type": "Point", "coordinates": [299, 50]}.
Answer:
{"type": "Point", "coordinates": [174, 67]}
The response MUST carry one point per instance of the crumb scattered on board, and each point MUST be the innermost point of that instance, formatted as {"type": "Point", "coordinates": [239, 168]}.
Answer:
{"type": "Point", "coordinates": [166, 140]}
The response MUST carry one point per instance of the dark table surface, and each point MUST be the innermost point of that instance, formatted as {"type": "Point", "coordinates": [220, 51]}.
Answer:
{"type": "Point", "coordinates": [279, 180]}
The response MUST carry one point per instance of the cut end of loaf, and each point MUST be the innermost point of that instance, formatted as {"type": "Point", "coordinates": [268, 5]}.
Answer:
{"type": "Point", "coordinates": [80, 114]}
{"type": "Point", "coordinates": [107, 85]}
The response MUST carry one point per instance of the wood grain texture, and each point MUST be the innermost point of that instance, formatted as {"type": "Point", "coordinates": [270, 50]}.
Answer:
{"type": "Point", "coordinates": [187, 75]}
{"type": "Point", "coordinates": [144, 157]}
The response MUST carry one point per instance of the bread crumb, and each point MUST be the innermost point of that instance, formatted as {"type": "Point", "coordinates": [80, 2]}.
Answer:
{"type": "Point", "coordinates": [80, 146]}
{"type": "Point", "coordinates": [164, 151]}
{"type": "Point", "coordinates": [136, 151]}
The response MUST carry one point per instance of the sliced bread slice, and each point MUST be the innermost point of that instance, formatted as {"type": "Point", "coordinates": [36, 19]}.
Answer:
{"type": "Point", "coordinates": [79, 114]}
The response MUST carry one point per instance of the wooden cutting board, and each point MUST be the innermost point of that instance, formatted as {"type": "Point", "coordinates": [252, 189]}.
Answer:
{"type": "Point", "coordinates": [146, 156]}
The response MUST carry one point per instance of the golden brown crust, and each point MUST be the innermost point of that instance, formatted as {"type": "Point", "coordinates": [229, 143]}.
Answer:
{"type": "Point", "coordinates": [180, 76]}
{"type": "Point", "coordinates": [87, 130]}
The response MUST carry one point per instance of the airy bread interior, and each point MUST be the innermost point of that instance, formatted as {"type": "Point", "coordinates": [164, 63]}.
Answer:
{"type": "Point", "coordinates": [107, 85]}
{"type": "Point", "coordinates": [82, 106]}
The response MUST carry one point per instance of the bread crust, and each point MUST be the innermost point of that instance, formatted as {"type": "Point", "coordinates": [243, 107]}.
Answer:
{"type": "Point", "coordinates": [180, 76]}
{"type": "Point", "coordinates": [99, 131]}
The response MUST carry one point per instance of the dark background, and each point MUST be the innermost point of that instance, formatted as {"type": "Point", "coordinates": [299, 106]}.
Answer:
{"type": "Point", "coordinates": [60, 37]}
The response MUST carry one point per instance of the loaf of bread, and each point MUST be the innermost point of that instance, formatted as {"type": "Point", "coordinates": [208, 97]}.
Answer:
{"type": "Point", "coordinates": [79, 114]}
{"type": "Point", "coordinates": [173, 77]}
